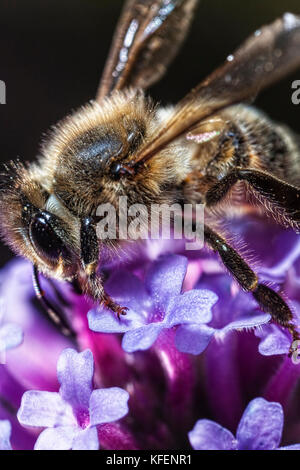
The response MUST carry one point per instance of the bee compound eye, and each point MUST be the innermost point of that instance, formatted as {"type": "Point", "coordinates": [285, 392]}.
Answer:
{"type": "Point", "coordinates": [45, 240]}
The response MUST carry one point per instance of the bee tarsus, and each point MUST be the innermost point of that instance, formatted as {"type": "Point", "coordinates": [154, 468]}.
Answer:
{"type": "Point", "coordinates": [114, 307]}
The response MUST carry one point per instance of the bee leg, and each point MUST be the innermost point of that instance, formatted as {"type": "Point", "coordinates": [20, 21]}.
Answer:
{"type": "Point", "coordinates": [93, 287]}
{"type": "Point", "coordinates": [284, 196]}
{"type": "Point", "coordinates": [56, 317]}
{"type": "Point", "coordinates": [89, 245]}
{"type": "Point", "coordinates": [268, 299]}
{"type": "Point", "coordinates": [90, 257]}
{"type": "Point", "coordinates": [109, 303]}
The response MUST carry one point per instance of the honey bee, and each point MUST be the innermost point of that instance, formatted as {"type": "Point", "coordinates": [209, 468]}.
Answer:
{"type": "Point", "coordinates": [198, 151]}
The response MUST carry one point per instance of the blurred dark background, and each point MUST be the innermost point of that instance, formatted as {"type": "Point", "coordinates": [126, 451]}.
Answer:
{"type": "Point", "coordinates": [52, 53]}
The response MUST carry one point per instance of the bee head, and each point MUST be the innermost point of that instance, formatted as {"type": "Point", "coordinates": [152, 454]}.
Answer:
{"type": "Point", "coordinates": [35, 225]}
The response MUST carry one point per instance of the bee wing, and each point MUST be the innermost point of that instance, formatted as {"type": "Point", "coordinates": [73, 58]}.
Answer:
{"type": "Point", "coordinates": [148, 36]}
{"type": "Point", "coordinates": [264, 58]}
{"type": "Point", "coordinates": [206, 130]}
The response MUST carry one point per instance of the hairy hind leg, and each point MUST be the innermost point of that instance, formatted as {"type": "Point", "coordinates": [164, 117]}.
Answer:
{"type": "Point", "coordinates": [283, 196]}
{"type": "Point", "coordinates": [267, 298]}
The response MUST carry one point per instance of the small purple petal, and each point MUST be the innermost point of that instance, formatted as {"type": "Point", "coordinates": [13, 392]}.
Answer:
{"type": "Point", "coordinates": [86, 439]}
{"type": "Point", "coordinates": [107, 405]}
{"type": "Point", "coordinates": [141, 338]}
{"type": "Point", "coordinates": [45, 409]}
{"type": "Point", "coordinates": [193, 339]}
{"type": "Point", "coordinates": [208, 435]}
{"type": "Point", "coordinates": [193, 306]}
{"type": "Point", "coordinates": [261, 426]}
{"type": "Point", "coordinates": [278, 271]}
{"type": "Point", "coordinates": [5, 432]}
{"type": "Point", "coordinates": [273, 341]}
{"type": "Point", "coordinates": [60, 438]}
{"type": "Point", "coordinates": [249, 321]}
{"type": "Point", "coordinates": [75, 374]}
{"type": "Point", "coordinates": [11, 335]}
{"type": "Point", "coordinates": [291, 447]}
{"type": "Point", "coordinates": [107, 322]}
{"type": "Point", "coordinates": [165, 278]}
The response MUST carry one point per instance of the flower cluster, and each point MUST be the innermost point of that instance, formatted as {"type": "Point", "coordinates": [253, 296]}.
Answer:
{"type": "Point", "coordinates": [155, 305]}
{"type": "Point", "coordinates": [192, 345]}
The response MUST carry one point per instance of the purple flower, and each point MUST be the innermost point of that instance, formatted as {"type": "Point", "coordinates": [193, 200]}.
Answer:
{"type": "Point", "coordinates": [5, 432]}
{"type": "Point", "coordinates": [235, 311]}
{"type": "Point", "coordinates": [164, 383]}
{"type": "Point", "coordinates": [274, 340]}
{"type": "Point", "coordinates": [156, 305]}
{"type": "Point", "coordinates": [260, 428]}
{"type": "Point", "coordinates": [72, 415]}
